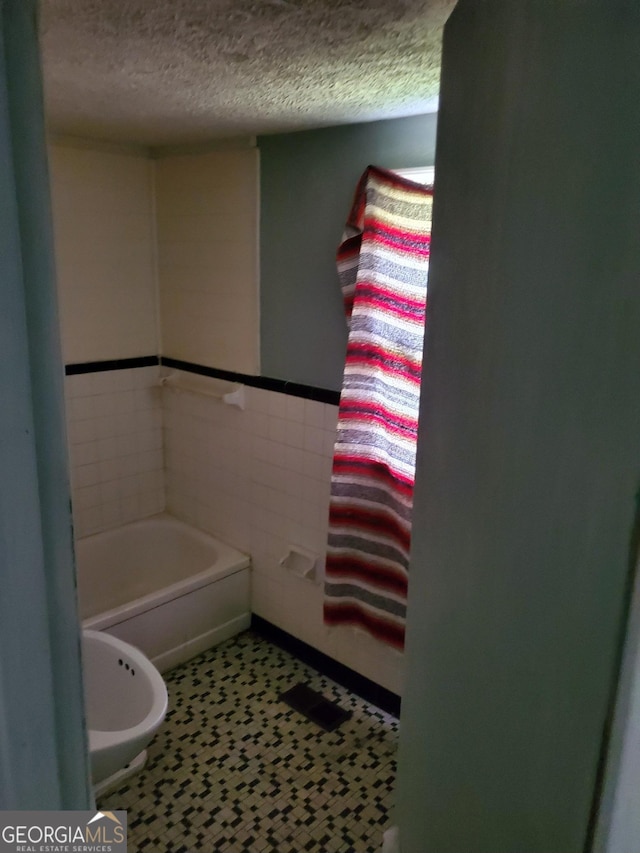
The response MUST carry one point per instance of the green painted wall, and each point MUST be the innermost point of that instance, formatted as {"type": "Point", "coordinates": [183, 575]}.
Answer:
{"type": "Point", "coordinates": [307, 184]}
{"type": "Point", "coordinates": [529, 455]}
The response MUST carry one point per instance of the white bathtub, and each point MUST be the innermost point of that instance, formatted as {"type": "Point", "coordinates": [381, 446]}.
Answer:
{"type": "Point", "coordinates": [164, 587]}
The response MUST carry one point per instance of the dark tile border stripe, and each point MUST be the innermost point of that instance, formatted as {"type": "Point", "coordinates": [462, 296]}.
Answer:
{"type": "Point", "coordinates": [309, 392]}
{"type": "Point", "coordinates": [281, 386]}
{"type": "Point", "coordinates": [113, 364]}
{"type": "Point", "coordinates": [358, 684]}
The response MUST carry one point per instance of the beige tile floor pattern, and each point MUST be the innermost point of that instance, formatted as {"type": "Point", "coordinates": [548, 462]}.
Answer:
{"type": "Point", "coordinates": [235, 770]}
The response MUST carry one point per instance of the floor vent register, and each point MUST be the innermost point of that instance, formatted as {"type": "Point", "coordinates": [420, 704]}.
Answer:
{"type": "Point", "coordinates": [328, 715]}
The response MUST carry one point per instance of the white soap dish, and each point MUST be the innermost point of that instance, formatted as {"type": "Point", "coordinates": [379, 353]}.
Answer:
{"type": "Point", "coordinates": [300, 562]}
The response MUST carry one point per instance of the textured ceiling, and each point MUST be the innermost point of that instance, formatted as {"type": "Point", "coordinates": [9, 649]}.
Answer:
{"type": "Point", "coordinates": [167, 72]}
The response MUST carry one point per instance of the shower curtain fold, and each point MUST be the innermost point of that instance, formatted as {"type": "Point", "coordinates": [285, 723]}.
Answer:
{"type": "Point", "coordinates": [383, 265]}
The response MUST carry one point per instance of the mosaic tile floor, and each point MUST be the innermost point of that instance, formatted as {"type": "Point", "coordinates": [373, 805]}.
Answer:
{"type": "Point", "coordinates": [235, 770]}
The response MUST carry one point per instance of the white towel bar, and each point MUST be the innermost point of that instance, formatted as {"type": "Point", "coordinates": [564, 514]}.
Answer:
{"type": "Point", "coordinates": [231, 393]}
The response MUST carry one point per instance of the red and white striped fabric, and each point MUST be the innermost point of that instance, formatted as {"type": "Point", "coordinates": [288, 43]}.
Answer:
{"type": "Point", "coordinates": [383, 265]}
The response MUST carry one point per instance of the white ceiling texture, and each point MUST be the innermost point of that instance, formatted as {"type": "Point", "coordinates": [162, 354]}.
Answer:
{"type": "Point", "coordinates": [175, 72]}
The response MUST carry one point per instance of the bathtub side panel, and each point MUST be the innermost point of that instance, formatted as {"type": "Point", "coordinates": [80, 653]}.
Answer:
{"type": "Point", "coordinates": [185, 626]}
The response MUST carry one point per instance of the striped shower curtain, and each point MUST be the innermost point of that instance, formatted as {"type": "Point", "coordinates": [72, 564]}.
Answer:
{"type": "Point", "coordinates": [383, 264]}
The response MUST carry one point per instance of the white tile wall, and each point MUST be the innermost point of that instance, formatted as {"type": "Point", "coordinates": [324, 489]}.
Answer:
{"type": "Point", "coordinates": [114, 424]}
{"type": "Point", "coordinates": [260, 479]}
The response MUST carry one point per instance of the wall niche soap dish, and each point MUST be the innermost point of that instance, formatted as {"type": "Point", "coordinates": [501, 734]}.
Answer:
{"type": "Point", "coordinates": [301, 563]}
